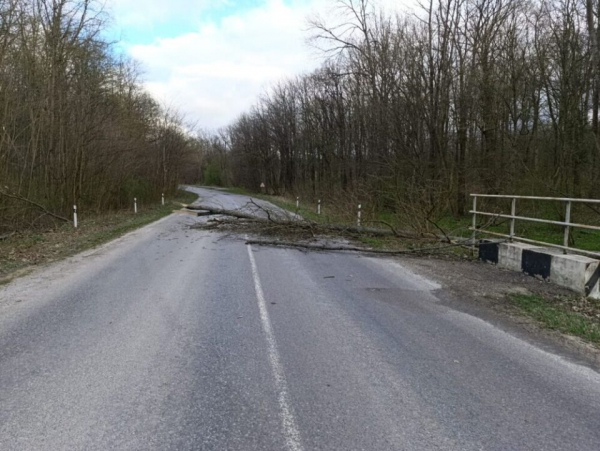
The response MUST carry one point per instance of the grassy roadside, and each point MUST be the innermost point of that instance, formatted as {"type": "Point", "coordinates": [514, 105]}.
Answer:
{"type": "Point", "coordinates": [577, 317]}
{"type": "Point", "coordinates": [329, 213]}
{"type": "Point", "coordinates": [29, 248]}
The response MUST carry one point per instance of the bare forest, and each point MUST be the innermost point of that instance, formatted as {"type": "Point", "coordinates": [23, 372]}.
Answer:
{"type": "Point", "coordinates": [75, 125]}
{"type": "Point", "coordinates": [408, 113]}
{"type": "Point", "coordinates": [413, 112]}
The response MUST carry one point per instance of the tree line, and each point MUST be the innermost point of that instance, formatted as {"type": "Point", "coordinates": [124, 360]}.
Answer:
{"type": "Point", "coordinates": [413, 112]}
{"type": "Point", "coordinates": [76, 126]}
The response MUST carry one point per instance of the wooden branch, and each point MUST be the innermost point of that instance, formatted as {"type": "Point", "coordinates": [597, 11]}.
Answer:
{"type": "Point", "coordinates": [7, 236]}
{"type": "Point", "coordinates": [368, 231]}
{"type": "Point", "coordinates": [219, 211]}
{"type": "Point", "coordinates": [35, 204]}
{"type": "Point", "coordinates": [446, 237]}
{"type": "Point", "coordinates": [308, 225]}
{"type": "Point", "coordinates": [323, 247]}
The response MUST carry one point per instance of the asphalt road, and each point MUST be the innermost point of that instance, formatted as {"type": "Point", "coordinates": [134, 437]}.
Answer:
{"type": "Point", "coordinates": [178, 339]}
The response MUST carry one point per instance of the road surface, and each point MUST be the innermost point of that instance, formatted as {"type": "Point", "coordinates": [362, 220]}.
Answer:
{"type": "Point", "coordinates": [178, 339]}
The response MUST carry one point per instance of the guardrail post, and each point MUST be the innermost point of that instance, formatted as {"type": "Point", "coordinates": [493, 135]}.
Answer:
{"type": "Point", "coordinates": [513, 213]}
{"type": "Point", "coordinates": [567, 227]}
{"type": "Point", "coordinates": [474, 223]}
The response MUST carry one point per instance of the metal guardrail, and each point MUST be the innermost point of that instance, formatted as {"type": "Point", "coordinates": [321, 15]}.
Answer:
{"type": "Point", "coordinates": [567, 224]}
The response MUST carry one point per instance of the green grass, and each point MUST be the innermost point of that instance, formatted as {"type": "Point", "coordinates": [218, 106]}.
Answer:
{"type": "Point", "coordinates": [373, 242]}
{"type": "Point", "coordinates": [547, 233]}
{"type": "Point", "coordinates": [240, 191]}
{"type": "Point", "coordinates": [29, 248]}
{"type": "Point", "coordinates": [182, 196]}
{"type": "Point", "coordinates": [555, 316]}
{"type": "Point", "coordinates": [306, 212]}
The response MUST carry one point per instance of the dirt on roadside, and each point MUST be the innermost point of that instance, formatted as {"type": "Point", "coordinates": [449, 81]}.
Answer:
{"type": "Point", "coordinates": [482, 287]}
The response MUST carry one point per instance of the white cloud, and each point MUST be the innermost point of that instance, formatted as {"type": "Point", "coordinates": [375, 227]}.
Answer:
{"type": "Point", "coordinates": [217, 71]}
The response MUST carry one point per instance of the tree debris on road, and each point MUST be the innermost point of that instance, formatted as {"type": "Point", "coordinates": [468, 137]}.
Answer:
{"type": "Point", "coordinates": [289, 230]}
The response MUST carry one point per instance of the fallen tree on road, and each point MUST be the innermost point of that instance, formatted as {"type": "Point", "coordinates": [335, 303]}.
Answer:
{"type": "Point", "coordinates": [327, 247]}
{"type": "Point", "coordinates": [284, 229]}
{"type": "Point", "coordinates": [294, 222]}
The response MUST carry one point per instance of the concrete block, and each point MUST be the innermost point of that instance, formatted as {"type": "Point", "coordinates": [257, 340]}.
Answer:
{"type": "Point", "coordinates": [510, 255]}
{"type": "Point", "coordinates": [577, 273]}
{"type": "Point", "coordinates": [488, 251]}
{"type": "Point", "coordinates": [538, 261]}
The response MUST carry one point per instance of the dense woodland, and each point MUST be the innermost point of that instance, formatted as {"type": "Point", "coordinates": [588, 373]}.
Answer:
{"type": "Point", "coordinates": [413, 112]}
{"type": "Point", "coordinates": [75, 125]}
{"type": "Point", "coordinates": [408, 113]}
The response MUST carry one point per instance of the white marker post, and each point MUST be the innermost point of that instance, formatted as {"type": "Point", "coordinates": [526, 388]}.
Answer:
{"type": "Point", "coordinates": [75, 216]}
{"type": "Point", "coordinates": [297, 203]}
{"type": "Point", "coordinates": [135, 205]}
{"type": "Point", "coordinates": [319, 207]}
{"type": "Point", "coordinates": [359, 215]}
{"type": "Point", "coordinates": [163, 198]}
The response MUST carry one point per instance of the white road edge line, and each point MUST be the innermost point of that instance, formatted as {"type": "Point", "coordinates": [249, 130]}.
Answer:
{"type": "Point", "coordinates": [290, 429]}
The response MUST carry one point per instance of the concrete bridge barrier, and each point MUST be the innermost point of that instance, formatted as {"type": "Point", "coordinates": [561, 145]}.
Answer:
{"type": "Point", "coordinates": [576, 272]}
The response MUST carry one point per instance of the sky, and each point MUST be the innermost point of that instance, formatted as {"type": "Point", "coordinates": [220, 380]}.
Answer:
{"type": "Point", "coordinates": [212, 59]}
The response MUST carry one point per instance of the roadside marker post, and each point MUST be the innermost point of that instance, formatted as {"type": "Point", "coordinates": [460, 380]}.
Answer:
{"type": "Point", "coordinates": [163, 198]}
{"type": "Point", "coordinates": [359, 215]}
{"type": "Point", "coordinates": [297, 203]}
{"type": "Point", "coordinates": [319, 207]}
{"type": "Point", "coordinates": [75, 216]}
{"type": "Point", "coordinates": [567, 228]}
{"type": "Point", "coordinates": [474, 228]}
{"type": "Point", "coordinates": [135, 205]}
